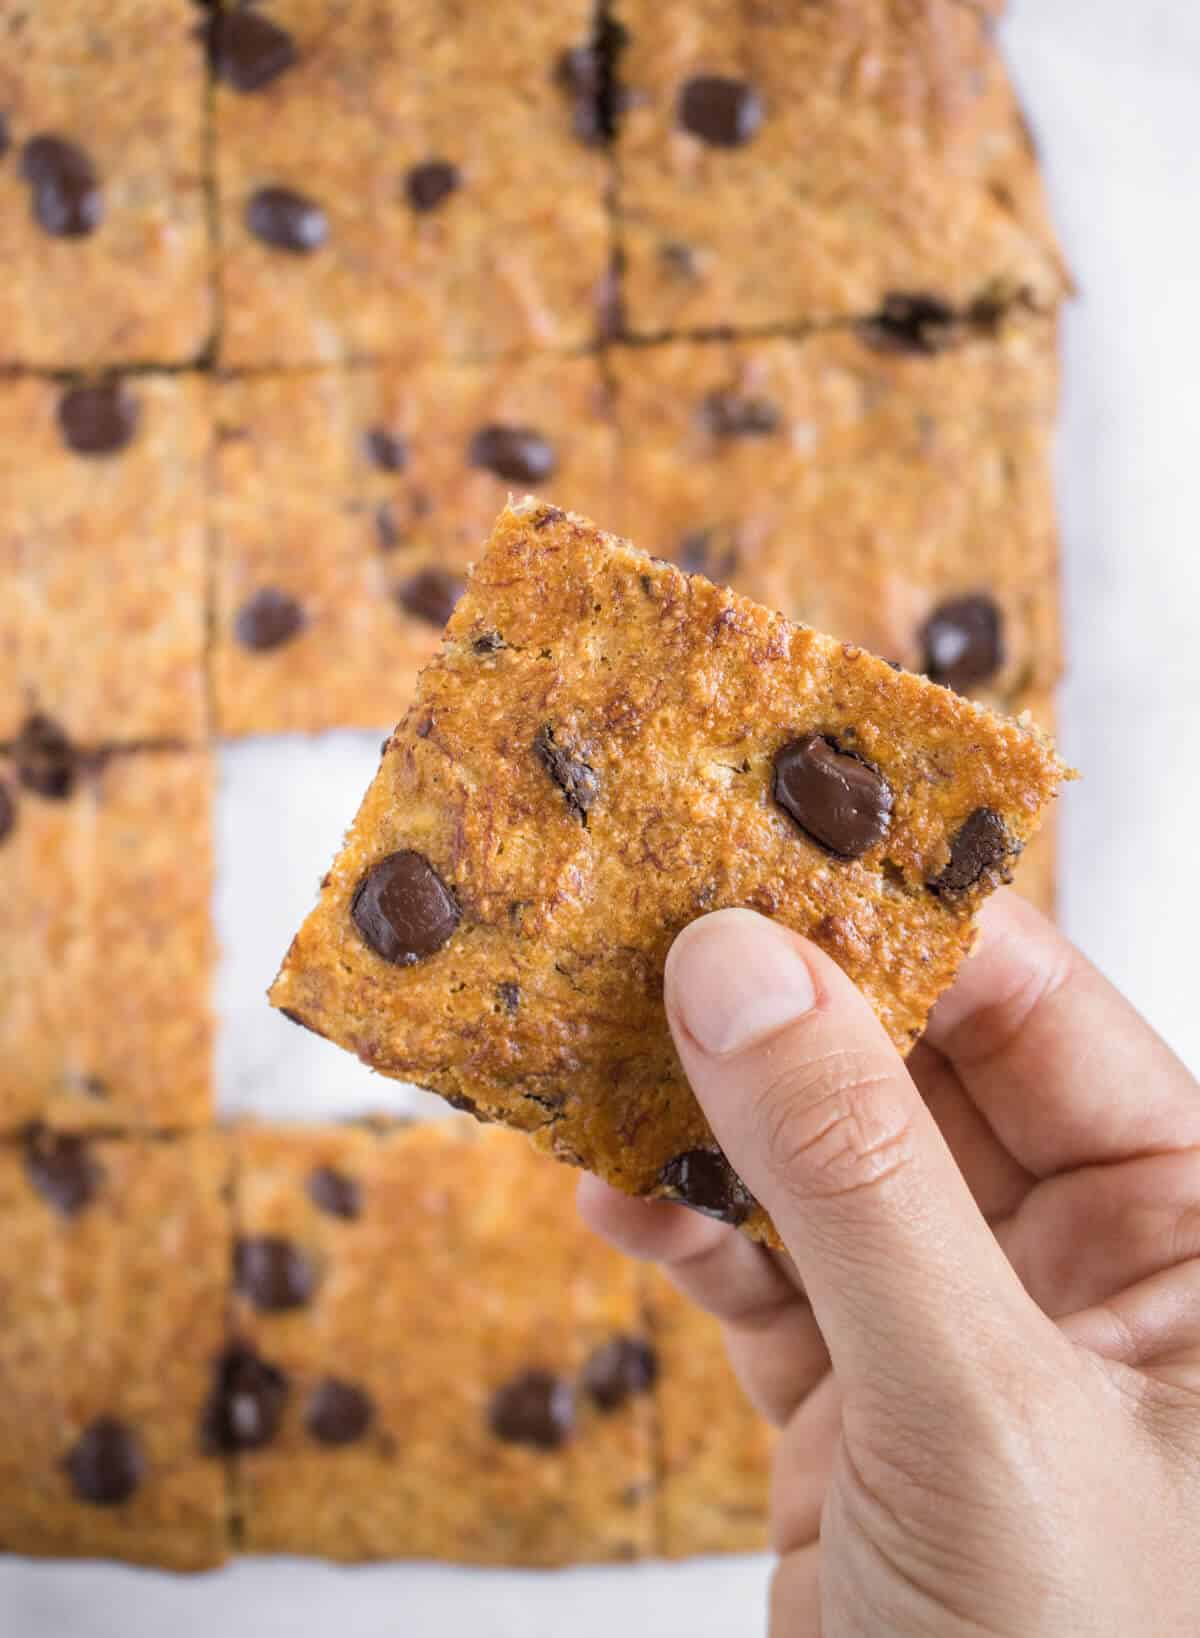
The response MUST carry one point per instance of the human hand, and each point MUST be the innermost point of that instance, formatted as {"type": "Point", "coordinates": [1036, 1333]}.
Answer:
{"type": "Point", "coordinates": [984, 1345]}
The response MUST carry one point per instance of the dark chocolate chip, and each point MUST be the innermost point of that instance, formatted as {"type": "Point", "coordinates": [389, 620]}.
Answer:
{"type": "Point", "coordinates": [47, 762]}
{"type": "Point", "coordinates": [963, 642]}
{"type": "Point", "coordinates": [727, 414]}
{"type": "Point", "coordinates": [62, 1169]}
{"type": "Point", "coordinates": [575, 778]}
{"type": "Point", "coordinates": [105, 1464]}
{"type": "Point", "coordinates": [429, 184]}
{"type": "Point", "coordinates": [386, 450]}
{"type": "Point", "coordinates": [837, 798]}
{"type": "Point", "coordinates": [67, 201]}
{"type": "Point", "coordinates": [920, 323]}
{"type": "Point", "coordinates": [287, 220]}
{"type": "Point", "coordinates": [431, 594]}
{"type": "Point", "coordinates": [334, 1192]}
{"type": "Point", "coordinates": [704, 1180]}
{"type": "Point", "coordinates": [488, 643]}
{"type": "Point", "coordinates": [8, 811]}
{"type": "Point", "coordinates": [617, 1370]}
{"type": "Point", "coordinates": [246, 1404]}
{"type": "Point", "coordinates": [273, 1272]}
{"type": "Point", "coordinates": [535, 1408]}
{"type": "Point", "coordinates": [247, 50]}
{"type": "Point", "coordinates": [709, 552]}
{"type": "Point", "coordinates": [403, 909]}
{"type": "Point", "coordinates": [519, 454]}
{"type": "Point", "coordinates": [387, 530]}
{"type": "Point", "coordinates": [982, 847]}
{"type": "Point", "coordinates": [338, 1413]}
{"type": "Point", "coordinates": [98, 420]}
{"type": "Point", "coordinates": [268, 620]}
{"type": "Point", "coordinates": [509, 995]}
{"type": "Point", "coordinates": [723, 112]}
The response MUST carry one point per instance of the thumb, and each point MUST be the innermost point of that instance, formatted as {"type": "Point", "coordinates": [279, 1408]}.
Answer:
{"type": "Point", "coordinates": [817, 1113]}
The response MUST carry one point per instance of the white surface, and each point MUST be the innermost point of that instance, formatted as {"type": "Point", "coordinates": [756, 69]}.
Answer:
{"type": "Point", "coordinates": [1112, 89]}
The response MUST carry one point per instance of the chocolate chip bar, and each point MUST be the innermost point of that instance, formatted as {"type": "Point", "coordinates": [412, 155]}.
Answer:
{"type": "Point", "coordinates": [606, 748]}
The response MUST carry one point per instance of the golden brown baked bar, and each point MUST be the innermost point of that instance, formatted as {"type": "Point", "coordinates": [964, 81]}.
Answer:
{"type": "Point", "coordinates": [1036, 877]}
{"type": "Point", "coordinates": [604, 749]}
{"type": "Point", "coordinates": [461, 210]}
{"type": "Point", "coordinates": [115, 1276]}
{"type": "Point", "coordinates": [436, 1359]}
{"type": "Point", "coordinates": [105, 943]}
{"type": "Point", "coordinates": [779, 163]}
{"type": "Point", "coordinates": [103, 219]}
{"type": "Point", "coordinates": [349, 506]}
{"type": "Point", "coordinates": [899, 499]}
{"type": "Point", "coordinates": [102, 555]}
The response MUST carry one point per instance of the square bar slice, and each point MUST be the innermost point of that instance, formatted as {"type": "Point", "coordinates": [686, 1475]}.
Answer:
{"type": "Point", "coordinates": [605, 749]}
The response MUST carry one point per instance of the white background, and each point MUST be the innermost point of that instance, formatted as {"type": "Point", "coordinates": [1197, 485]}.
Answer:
{"type": "Point", "coordinates": [1114, 93]}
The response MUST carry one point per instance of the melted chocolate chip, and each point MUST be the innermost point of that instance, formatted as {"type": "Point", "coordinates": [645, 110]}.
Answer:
{"type": "Point", "coordinates": [97, 420]}
{"type": "Point", "coordinates": [982, 847]}
{"type": "Point", "coordinates": [247, 50]}
{"type": "Point", "coordinates": [273, 1272]}
{"type": "Point", "coordinates": [268, 620]}
{"type": "Point", "coordinates": [105, 1465]}
{"type": "Point", "coordinates": [8, 812]}
{"type": "Point", "coordinates": [709, 552]}
{"type": "Point", "coordinates": [67, 202]}
{"type": "Point", "coordinates": [431, 594]}
{"type": "Point", "coordinates": [518, 454]}
{"type": "Point", "coordinates": [619, 1369]}
{"type": "Point", "coordinates": [723, 112]}
{"type": "Point", "coordinates": [509, 995]}
{"type": "Point", "coordinates": [338, 1413]}
{"type": "Point", "coordinates": [386, 450]}
{"type": "Point", "coordinates": [837, 798]}
{"type": "Point", "coordinates": [246, 1404]}
{"type": "Point", "coordinates": [334, 1192]}
{"type": "Point", "coordinates": [47, 762]}
{"type": "Point", "coordinates": [489, 642]}
{"type": "Point", "coordinates": [575, 778]}
{"type": "Point", "coordinates": [920, 323]}
{"type": "Point", "coordinates": [535, 1408]}
{"type": "Point", "coordinates": [287, 220]}
{"type": "Point", "coordinates": [429, 184]}
{"type": "Point", "coordinates": [963, 641]}
{"type": "Point", "coordinates": [403, 909]}
{"type": "Point", "coordinates": [734, 415]}
{"type": "Point", "coordinates": [704, 1180]}
{"type": "Point", "coordinates": [62, 1169]}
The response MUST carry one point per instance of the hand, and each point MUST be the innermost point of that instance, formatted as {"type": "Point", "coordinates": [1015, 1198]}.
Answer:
{"type": "Point", "coordinates": [984, 1345]}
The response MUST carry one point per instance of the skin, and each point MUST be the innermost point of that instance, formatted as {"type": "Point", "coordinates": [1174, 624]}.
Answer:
{"type": "Point", "coordinates": [983, 1345]}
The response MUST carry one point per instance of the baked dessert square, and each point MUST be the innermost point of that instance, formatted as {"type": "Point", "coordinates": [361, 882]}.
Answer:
{"type": "Point", "coordinates": [103, 556]}
{"type": "Point", "coordinates": [408, 179]}
{"type": "Point", "coordinates": [106, 948]}
{"type": "Point", "coordinates": [115, 1277]}
{"type": "Point", "coordinates": [784, 164]}
{"type": "Point", "coordinates": [604, 749]}
{"type": "Point", "coordinates": [103, 211]}
{"type": "Point", "coordinates": [348, 506]}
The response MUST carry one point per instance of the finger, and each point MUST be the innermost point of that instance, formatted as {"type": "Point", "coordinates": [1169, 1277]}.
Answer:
{"type": "Point", "coordinates": [802, 1463]}
{"type": "Point", "coordinates": [1152, 1323]}
{"type": "Point", "coordinates": [813, 1106]}
{"type": "Point", "coordinates": [998, 1182]}
{"type": "Point", "coordinates": [1064, 1070]}
{"type": "Point", "coordinates": [795, 1599]}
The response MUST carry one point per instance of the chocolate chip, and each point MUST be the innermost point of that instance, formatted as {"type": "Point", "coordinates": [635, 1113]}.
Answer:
{"type": "Point", "coordinates": [247, 50]}
{"type": "Point", "coordinates": [982, 847]}
{"type": "Point", "coordinates": [519, 454]}
{"type": "Point", "coordinates": [920, 323]}
{"type": "Point", "coordinates": [287, 220]}
{"type": "Point", "coordinates": [268, 620]}
{"type": "Point", "coordinates": [387, 530]}
{"type": "Point", "coordinates": [489, 642]}
{"type": "Point", "coordinates": [727, 414]}
{"type": "Point", "coordinates": [246, 1404]}
{"type": "Point", "coordinates": [47, 762]}
{"type": "Point", "coordinates": [98, 420]}
{"type": "Point", "coordinates": [509, 995]}
{"type": "Point", "coordinates": [8, 812]}
{"type": "Point", "coordinates": [723, 112]}
{"type": "Point", "coordinates": [837, 798]}
{"type": "Point", "coordinates": [431, 594]}
{"type": "Point", "coordinates": [535, 1408]}
{"type": "Point", "coordinates": [575, 778]}
{"type": "Point", "coordinates": [704, 1180]}
{"type": "Point", "coordinates": [429, 184]}
{"type": "Point", "coordinates": [617, 1370]}
{"type": "Point", "coordinates": [334, 1192]}
{"type": "Point", "coordinates": [403, 909]}
{"type": "Point", "coordinates": [338, 1412]}
{"type": "Point", "coordinates": [963, 642]}
{"type": "Point", "coordinates": [273, 1272]}
{"type": "Point", "coordinates": [467, 1106]}
{"type": "Point", "coordinates": [62, 1169]}
{"type": "Point", "coordinates": [105, 1464]}
{"type": "Point", "coordinates": [67, 201]}
{"type": "Point", "coordinates": [386, 450]}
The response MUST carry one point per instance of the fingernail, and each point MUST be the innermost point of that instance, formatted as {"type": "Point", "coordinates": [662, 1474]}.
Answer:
{"type": "Point", "coordinates": [734, 979]}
